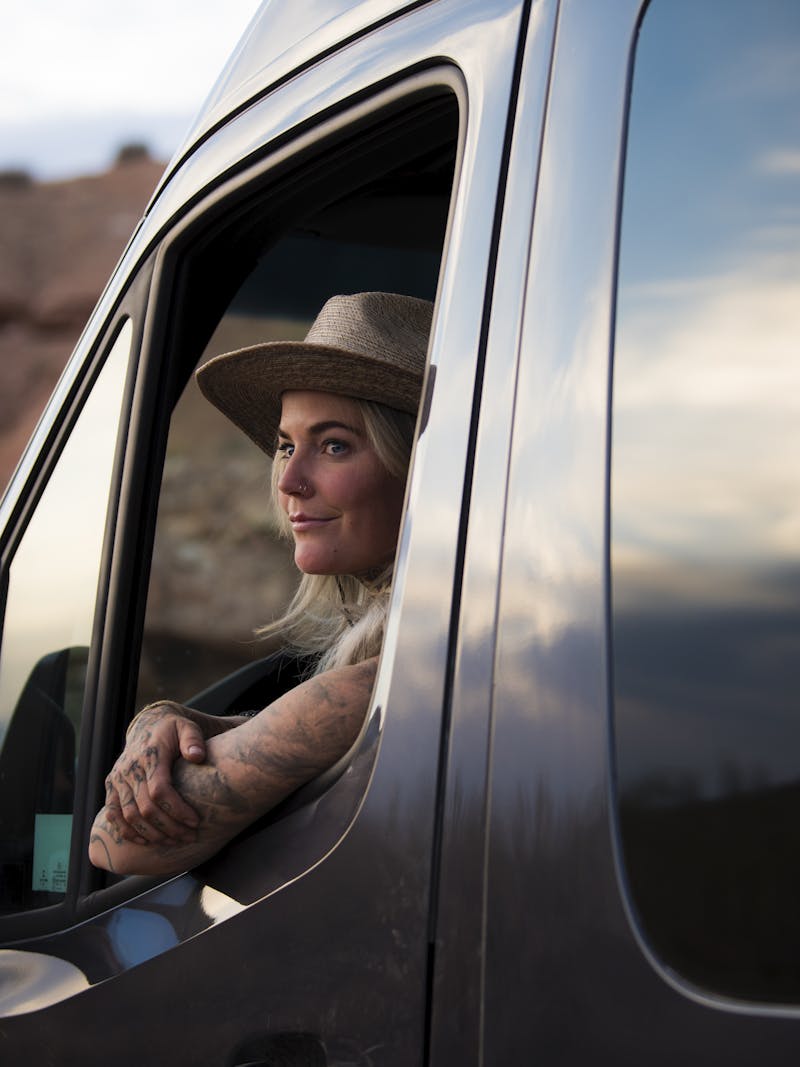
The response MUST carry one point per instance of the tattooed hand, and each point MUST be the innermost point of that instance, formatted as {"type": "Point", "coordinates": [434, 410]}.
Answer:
{"type": "Point", "coordinates": [250, 765]}
{"type": "Point", "coordinates": [141, 803]}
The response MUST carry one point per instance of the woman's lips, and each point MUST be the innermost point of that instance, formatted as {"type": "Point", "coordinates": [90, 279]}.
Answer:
{"type": "Point", "coordinates": [302, 523]}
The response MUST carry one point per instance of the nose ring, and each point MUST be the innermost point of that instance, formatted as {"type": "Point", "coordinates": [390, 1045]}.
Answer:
{"type": "Point", "coordinates": [303, 488]}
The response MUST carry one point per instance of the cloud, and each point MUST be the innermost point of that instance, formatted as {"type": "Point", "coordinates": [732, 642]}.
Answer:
{"type": "Point", "coordinates": [781, 163]}
{"type": "Point", "coordinates": [94, 60]}
{"type": "Point", "coordinates": [707, 414]}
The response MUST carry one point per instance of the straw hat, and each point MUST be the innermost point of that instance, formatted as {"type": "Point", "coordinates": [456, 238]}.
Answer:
{"type": "Point", "coordinates": [371, 346]}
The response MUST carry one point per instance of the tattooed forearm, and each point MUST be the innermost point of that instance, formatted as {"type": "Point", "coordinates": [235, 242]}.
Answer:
{"type": "Point", "coordinates": [210, 792]}
{"type": "Point", "coordinates": [289, 749]}
{"type": "Point", "coordinates": [247, 771]}
{"type": "Point", "coordinates": [96, 841]}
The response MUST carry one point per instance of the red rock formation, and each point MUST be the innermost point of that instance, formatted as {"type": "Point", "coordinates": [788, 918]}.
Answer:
{"type": "Point", "coordinates": [59, 242]}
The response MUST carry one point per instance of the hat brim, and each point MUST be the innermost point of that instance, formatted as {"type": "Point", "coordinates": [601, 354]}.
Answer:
{"type": "Point", "coordinates": [247, 385]}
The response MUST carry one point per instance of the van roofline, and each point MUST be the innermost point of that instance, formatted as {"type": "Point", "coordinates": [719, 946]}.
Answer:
{"type": "Point", "coordinates": [275, 45]}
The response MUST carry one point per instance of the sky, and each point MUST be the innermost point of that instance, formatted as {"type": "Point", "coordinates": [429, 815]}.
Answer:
{"type": "Point", "coordinates": [79, 79]}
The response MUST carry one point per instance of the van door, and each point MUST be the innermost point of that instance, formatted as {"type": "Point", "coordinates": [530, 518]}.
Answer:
{"type": "Point", "coordinates": [638, 899]}
{"type": "Point", "coordinates": [308, 939]}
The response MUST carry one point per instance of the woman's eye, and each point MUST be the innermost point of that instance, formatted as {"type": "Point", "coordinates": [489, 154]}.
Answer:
{"type": "Point", "coordinates": [335, 448]}
{"type": "Point", "coordinates": [284, 449]}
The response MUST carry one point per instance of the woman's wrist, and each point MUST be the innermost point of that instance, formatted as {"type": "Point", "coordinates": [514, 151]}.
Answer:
{"type": "Point", "coordinates": [210, 725]}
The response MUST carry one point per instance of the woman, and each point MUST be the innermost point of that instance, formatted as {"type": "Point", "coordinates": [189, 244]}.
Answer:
{"type": "Point", "coordinates": [337, 412]}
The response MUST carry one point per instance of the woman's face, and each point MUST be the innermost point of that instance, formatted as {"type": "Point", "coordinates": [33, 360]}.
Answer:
{"type": "Point", "coordinates": [343, 505]}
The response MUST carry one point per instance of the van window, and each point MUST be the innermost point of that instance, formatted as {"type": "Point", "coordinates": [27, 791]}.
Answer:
{"type": "Point", "coordinates": [49, 612]}
{"type": "Point", "coordinates": [219, 570]}
{"type": "Point", "coordinates": [705, 495]}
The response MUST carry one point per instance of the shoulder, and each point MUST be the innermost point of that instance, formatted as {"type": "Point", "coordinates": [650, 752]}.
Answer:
{"type": "Point", "coordinates": [354, 681]}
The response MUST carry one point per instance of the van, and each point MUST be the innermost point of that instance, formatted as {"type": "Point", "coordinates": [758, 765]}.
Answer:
{"type": "Point", "coordinates": [568, 832]}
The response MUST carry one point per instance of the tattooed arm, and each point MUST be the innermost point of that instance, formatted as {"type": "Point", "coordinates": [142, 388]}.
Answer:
{"type": "Point", "coordinates": [248, 770]}
{"type": "Point", "coordinates": [141, 799]}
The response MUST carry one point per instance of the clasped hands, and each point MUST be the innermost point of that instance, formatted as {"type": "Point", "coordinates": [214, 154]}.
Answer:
{"type": "Point", "coordinates": [141, 800]}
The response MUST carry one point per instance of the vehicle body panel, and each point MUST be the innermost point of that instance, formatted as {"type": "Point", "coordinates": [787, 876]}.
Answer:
{"type": "Point", "coordinates": [459, 893]}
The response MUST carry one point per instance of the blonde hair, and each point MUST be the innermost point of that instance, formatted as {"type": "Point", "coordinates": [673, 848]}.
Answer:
{"type": "Point", "coordinates": [339, 619]}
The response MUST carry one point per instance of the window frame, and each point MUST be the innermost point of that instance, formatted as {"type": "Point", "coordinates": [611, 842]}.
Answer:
{"type": "Point", "coordinates": [149, 302]}
{"type": "Point", "coordinates": [129, 566]}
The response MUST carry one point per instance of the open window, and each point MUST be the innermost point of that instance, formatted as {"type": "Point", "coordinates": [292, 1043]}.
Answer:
{"type": "Point", "coordinates": [196, 566]}
{"type": "Point", "coordinates": [369, 214]}
{"type": "Point", "coordinates": [364, 208]}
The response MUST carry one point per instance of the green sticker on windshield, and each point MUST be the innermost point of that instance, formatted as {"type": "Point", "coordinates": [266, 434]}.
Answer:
{"type": "Point", "coordinates": [51, 852]}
